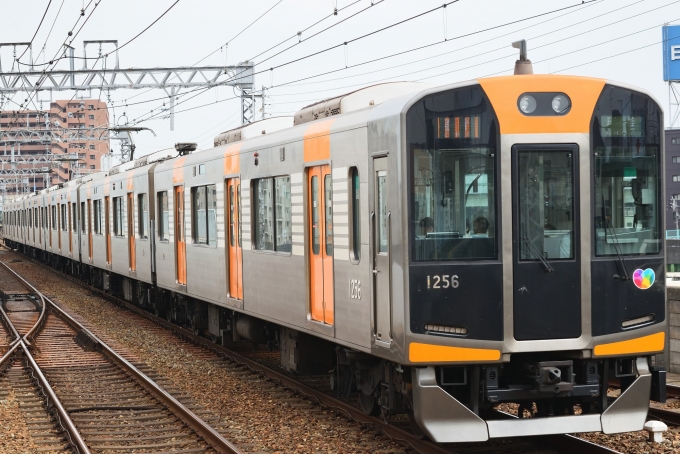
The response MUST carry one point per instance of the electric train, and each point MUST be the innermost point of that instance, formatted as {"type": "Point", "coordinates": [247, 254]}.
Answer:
{"type": "Point", "coordinates": [441, 250]}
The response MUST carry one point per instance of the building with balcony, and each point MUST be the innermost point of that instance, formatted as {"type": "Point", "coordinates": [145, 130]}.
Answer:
{"type": "Point", "coordinates": [70, 138]}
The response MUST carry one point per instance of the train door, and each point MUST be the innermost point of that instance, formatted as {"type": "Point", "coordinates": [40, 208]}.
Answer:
{"type": "Point", "coordinates": [234, 238]}
{"type": "Point", "coordinates": [107, 227]}
{"type": "Point", "coordinates": [546, 242]}
{"type": "Point", "coordinates": [320, 215]}
{"type": "Point", "coordinates": [180, 241]}
{"type": "Point", "coordinates": [380, 223]}
{"type": "Point", "coordinates": [132, 251]}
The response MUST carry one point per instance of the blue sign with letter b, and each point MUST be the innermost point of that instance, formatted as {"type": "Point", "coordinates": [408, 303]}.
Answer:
{"type": "Point", "coordinates": [671, 53]}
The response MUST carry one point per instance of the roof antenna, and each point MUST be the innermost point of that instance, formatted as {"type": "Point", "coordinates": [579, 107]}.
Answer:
{"type": "Point", "coordinates": [523, 65]}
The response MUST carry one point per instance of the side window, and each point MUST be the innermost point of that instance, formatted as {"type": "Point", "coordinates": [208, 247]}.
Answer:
{"type": "Point", "coordinates": [118, 216]}
{"type": "Point", "coordinates": [64, 225]}
{"type": "Point", "coordinates": [163, 215]}
{"type": "Point", "coordinates": [355, 215]}
{"type": "Point", "coordinates": [74, 217]}
{"type": "Point", "coordinates": [199, 224]}
{"type": "Point", "coordinates": [203, 215]}
{"type": "Point", "coordinates": [82, 217]}
{"type": "Point", "coordinates": [264, 214]}
{"type": "Point", "coordinates": [97, 216]}
{"type": "Point", "coordinates": [273, 215]}
{"type": "Point", "coordinates": [283, 214]}
{"type": "Point", "coordinates": [143, 215]}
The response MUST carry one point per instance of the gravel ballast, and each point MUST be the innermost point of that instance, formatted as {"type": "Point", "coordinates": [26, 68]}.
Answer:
{"type": "Point", "coordinates": [251, 416]}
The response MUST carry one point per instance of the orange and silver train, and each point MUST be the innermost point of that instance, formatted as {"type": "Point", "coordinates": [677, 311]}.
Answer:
{"type": "Point", "coordinates": [441, 249]}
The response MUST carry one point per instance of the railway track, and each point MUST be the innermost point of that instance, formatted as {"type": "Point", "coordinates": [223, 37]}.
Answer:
{"type": "Point", "coordinates": [101, 401]}
{"type": "Point", "coordinates": [235, 359]}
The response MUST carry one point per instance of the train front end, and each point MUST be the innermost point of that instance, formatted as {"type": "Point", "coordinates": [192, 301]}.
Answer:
{"type": "Point", "coordinates": [536, 270]}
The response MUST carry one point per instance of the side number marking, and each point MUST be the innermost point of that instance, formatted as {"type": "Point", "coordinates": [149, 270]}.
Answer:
{"type": "Point", "coordinates": [355, 289]}
{"type": "Point", "coordinates": [443, 281]}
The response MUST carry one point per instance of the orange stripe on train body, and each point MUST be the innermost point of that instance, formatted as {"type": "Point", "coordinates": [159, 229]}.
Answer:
{"type": "Point", "coordinates": [429, 353]}
{"type": "Point", "coordinates": [504, 92]}
{"type": "Point", "coordinates": [232, 159]}
{"type": "Point", "coordinates": [317, 141]}
{"type": "Point", "coordinates": [178, 170]}
{"type": "Point", "coordinates": [645, 344]}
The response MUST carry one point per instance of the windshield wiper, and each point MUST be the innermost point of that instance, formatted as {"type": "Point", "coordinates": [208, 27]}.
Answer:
{"type": "Point", "coordinates": [539, 256]}
{"type": "Point", "coordinates": [622, 261]}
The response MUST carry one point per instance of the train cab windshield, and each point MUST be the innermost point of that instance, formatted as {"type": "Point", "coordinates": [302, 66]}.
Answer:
{"type": "Point", "coordinates": [452, 147]}
{"type": "Point", "coordinates": [626, 147]}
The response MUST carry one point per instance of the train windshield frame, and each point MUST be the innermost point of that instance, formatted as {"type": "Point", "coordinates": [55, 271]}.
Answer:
{"type": "Point", "coordinates": [453, 144]}
{"type": "Point", "coordinates": [626, 162]}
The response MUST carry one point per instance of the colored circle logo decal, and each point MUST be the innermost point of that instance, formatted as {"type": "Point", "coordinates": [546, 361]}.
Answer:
{"type": "Point", "coordinates": [643, 279]}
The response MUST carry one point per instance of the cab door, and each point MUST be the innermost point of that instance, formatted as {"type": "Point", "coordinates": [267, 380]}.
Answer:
{"type": "Point", "coordinates": [107, 227]}
{"type": "Point", "coordinates": [320, 221]}
{"type": "Point", "coordinates": [234, 238]}
{"type": "Point", "coordinates": [546, 247]}
{"type": "Point", "coordinates": [180, 241]}
{"type": "Point", "coordinates": [132, 251]}
{"type": "Point", "coordinates": [380, 224]}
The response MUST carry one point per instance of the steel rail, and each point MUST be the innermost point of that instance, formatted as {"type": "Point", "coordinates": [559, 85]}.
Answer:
{"type": "Point", "coordinates": [41, 318]}
{"type": "Point", "coordinates": [209, 434]}
{"type": "Point", "coordinates": [63, 416]}
{"type": "Point", "coordinates": [562, 443]}
{"type": "Point", "coordinates": [10, 326]}
{"type": "Point", "coordinates": [670, 417]}
{"type": "Point", "coordinates": [8, 355]}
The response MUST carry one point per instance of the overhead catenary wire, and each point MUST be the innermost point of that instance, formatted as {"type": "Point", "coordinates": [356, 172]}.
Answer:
{"type": "Point", "coordinates": [149, 116]}
{"type": "Point", "coordinates": [317, 33]}
{"type": "Point", "coordinates": [37, 29]}
{"type": "Point", "coordinates": [72, 37]}
{"type": "Point", "coordinates": [476, 55]}
{"type": "Point", "coordinates": [273, 47]}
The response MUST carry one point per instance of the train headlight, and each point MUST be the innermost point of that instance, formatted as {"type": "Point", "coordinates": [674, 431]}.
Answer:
{"type": "Point", "coordinates": [560, 104]}
{"type": "Point", "coordinates": [527, 104]}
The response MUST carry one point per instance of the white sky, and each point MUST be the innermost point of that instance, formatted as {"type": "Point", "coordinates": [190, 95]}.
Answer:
{"type": "Point", "coordinates": [568, 42]}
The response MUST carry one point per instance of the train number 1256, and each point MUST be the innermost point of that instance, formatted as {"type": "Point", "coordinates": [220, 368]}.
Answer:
{"type": "Point", "coordinates": [444, 281]}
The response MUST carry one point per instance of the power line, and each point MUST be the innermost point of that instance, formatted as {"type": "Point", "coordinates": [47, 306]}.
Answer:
{"type": "Point", "coordinates": [432, 44]}
{"type": "Point", "coordinates": [152, 116]}
{"type": "Point", "coordinates": [318, 33]}
{"type": "Point", "coordinates": [298, 34]}
{"type": "Point", "coordinates": [488, 52]}
{"type": "Point", "coordinates": [251, 59]}
{"type": "Point", "coordinates": [149, 26]}
{"type": "Point", "coordinates": [36, 30]}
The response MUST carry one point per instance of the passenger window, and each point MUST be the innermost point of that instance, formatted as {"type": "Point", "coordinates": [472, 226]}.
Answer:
{"type": "Point", "coordinates": [264, 214]}
{"type": "Point", "coordinates": [97, 216]}
{"type": "Point", "coordinates": [118, 216]}
{"type": "Point", "coordinates": [355, 213]}
{"type": "Point", "coordinates": [74, 217]}
{"type": "Point", "coordinates": [82, 217]}
{"type": "Point", "coordinates": [283, 215]}
{"type": "Point", "coordinates": [203, 215]}
{"type": "Point", "coordinates": [63, 217]}
{"type": "Point", "coordinates": [273, 215]}
{"type": "Point", "coordinates": [163, 216]}
{"type": "Point", "coordinates": [143, 215]}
